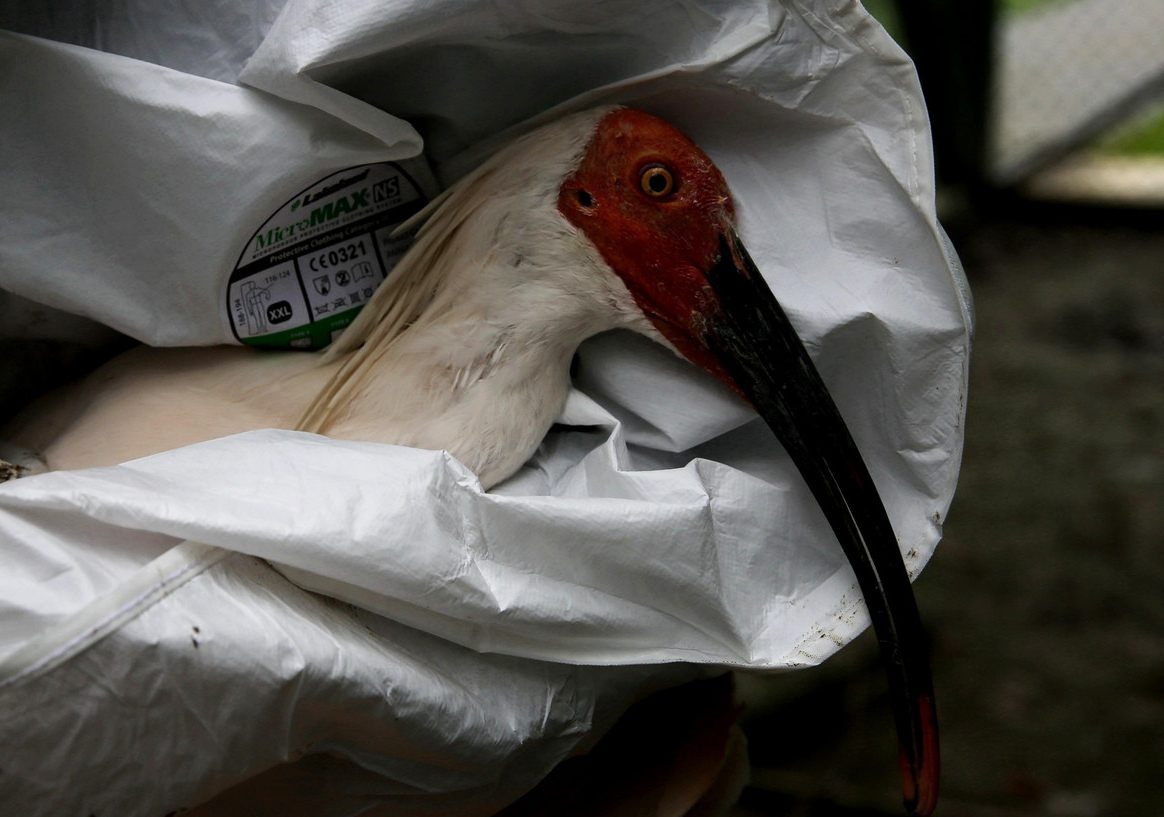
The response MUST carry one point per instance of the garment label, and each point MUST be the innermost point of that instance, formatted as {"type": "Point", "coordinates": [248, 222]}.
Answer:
{"type": "Point", "coordinates": [311, 267]}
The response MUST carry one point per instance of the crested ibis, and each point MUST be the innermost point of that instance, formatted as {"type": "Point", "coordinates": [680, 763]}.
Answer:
{"type": "Point", "coordinates": [605, 219]}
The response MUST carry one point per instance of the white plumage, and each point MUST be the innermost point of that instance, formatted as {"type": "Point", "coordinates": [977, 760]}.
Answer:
{"type": "Point", "coordinates": [496, 295]}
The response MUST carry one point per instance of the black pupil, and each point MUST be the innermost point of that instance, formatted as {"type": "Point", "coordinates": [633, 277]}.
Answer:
{"type": "Point", "coordinates": [657, 181]}
{"type": "Point", "coordinates": [585, 199]}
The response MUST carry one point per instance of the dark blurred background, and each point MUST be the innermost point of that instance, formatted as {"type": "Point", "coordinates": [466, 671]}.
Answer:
{"type": "Point", "coordinates": [1045, 600]}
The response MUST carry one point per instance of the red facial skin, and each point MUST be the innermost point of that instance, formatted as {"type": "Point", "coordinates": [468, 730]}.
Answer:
{"type": "Point", "coordinates": [662, 245]}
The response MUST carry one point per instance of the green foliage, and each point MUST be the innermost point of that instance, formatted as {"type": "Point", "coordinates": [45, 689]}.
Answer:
{"type": "Point", "coordinates": [1023, 6]}
{"type": "Point", "coordinates": [1142, 137]}
{"type": "Point", "coordinates": [886, 13]}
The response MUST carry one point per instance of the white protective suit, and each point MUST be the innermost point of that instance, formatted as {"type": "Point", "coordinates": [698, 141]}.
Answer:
{"type": "Point", "coordinates": [423, 645]}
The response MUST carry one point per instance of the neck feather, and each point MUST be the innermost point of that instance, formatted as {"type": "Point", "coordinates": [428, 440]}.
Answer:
{"type": "Point", "coordinates": [467, 346]}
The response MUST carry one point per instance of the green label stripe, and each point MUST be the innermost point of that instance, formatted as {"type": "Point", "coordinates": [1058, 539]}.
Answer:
{"type": "Point", "coordinates": [314, 335]}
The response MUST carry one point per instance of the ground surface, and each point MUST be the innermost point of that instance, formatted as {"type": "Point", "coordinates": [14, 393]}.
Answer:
{"type": "Point", "coordinates": [1045, 600]}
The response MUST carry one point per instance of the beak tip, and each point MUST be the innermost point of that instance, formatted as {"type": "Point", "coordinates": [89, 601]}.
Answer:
{"type": "Point", "coordinates": [920, 776]}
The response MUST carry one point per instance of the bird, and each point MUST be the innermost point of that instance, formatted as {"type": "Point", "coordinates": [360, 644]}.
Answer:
{"type": "Point", "coordinates": [609, 218]}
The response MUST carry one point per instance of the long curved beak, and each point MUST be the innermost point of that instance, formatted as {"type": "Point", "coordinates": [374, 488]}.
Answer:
{"type": "Point", "coordinates": [755, 343]}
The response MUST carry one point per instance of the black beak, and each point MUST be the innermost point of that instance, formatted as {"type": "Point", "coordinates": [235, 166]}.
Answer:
{"type": "Point", "coordinates": [760, 350]}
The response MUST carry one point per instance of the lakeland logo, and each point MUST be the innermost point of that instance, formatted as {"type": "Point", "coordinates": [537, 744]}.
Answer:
{"type": "Point", "coordinates": [320, 215]}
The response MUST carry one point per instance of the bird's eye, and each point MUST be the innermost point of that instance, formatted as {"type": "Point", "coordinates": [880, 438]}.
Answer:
{"type": "Point", "coordinates": [657, 181]}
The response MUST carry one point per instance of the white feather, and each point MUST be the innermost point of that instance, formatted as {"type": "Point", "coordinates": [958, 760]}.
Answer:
{"type": "Point", "coordinates": [466, 346]}
{"type": "Point", "coordinates": [496, 295]}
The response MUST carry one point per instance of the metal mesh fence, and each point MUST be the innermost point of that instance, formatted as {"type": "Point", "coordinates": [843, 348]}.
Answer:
{"type": "Point", "coordinates": [1066, 71]}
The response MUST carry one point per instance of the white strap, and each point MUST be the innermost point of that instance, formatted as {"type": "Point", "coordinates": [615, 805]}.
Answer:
{"type": "Point", "coordinates": [107, 613]}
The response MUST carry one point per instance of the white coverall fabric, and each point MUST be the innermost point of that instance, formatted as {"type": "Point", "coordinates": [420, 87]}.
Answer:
{"type": "Point", "coordinates": [462, 642]}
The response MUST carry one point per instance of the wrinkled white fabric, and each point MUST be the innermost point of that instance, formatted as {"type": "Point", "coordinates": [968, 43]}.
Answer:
{"type": "Point", "coordinates": [130, 187]}
{"type": "Point", "coordinates": [660, 522]}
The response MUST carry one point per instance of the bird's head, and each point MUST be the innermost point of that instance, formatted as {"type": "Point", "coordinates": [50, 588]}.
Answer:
{"type": "Point", "coordinates": [659, 213]}
{"type": "Point", "coordinates": [657, 209]}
